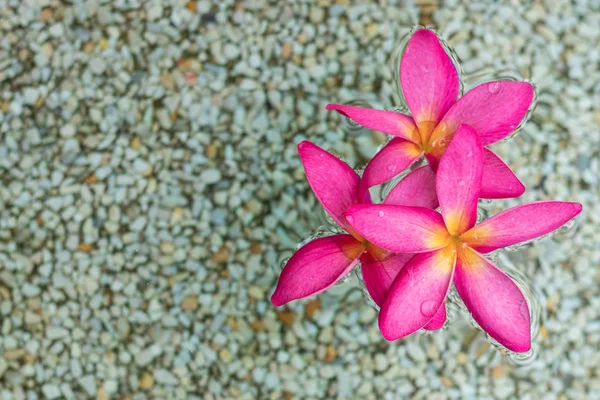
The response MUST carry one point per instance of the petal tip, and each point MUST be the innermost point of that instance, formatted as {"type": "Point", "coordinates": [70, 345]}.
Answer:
{"type": "Point", "coordinates": [277, 300]}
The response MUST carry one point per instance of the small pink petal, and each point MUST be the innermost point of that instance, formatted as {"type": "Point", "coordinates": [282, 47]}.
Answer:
{"type": "Point", "coordinates": [316, 266]}
{"type": "Point", "coordinates": [334, 183]}
{"type": "Point", "coordinates": [498, 181]}
{"type": "Point", "coordinates": [494, 300]}
{"type": "Point", "coordinates": [519, 224]}
{"type": "Point", "coordinates": [380, 271]}
{"type": "Point", "coordinates": [417, 293]}
{"type": "Point", "coordinates": [399, 228]}
{"type": "Point", "coordinates": [415, 189]}
{"type": "Point", "coordinates": [459, 179]}
{"type": "Point", "coordinates": [389, 122]}
{"type": "Point", "coordinates": [438, 320]}
{"type": "Point", "coordinates": [392, 159]}
{"type": "Point", "coordinates": [493, 109]}
{"type": "Point", "coordinates": [429, 80]}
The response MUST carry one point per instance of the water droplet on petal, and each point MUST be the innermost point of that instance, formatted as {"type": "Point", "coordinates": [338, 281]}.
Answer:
{"type": "Point", "coordinates": [429, 308]}
{"type": "Point", "coordinates": [461, 183]}
{"type": "Point", "coordinates": [381, 213]}
{"type": "Point", "coordinates": [391, 168]}
{"type": "Point", "coordinates": [493, 87]}
{"type": "Point", "coordinates": [470, 154]}
{"type": "Point", "coordinates": [350, 219]}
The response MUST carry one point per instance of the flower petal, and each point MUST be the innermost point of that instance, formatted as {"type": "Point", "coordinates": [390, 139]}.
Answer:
{"type": "Point", "coordinates": [399, 228]}
{"type": "Point", "coordinates": [493, 109]}
{"type": "Point", "coordinates": [334, 183]}
{"type": "Point", "coordinates": [438, 320]}
{"type": "Point", "coordinates": [415, 189]}
{"type": "Point", "coordinates": [417, 293]}
{"type": "Point", "coordinates": [380, 271]}
{"type": "Point", "coordinates": [494, 300]}
{"type": "Point", "coordinates": [498, 181]}
{"type": "Point", "coordinates": [459, 180]}
{"type": "Point", "coordinates": [519, 224]}
{"type": "Point", "coordinates": [429, 80]}
{"type": "Point", "coordinates": [316, 266]}
{"type": "Point", "coordinates": [389, 122]}
{"type": "Point", "coordinates": [392, 159]}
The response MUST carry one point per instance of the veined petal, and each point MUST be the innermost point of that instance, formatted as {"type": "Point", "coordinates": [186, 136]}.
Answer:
{"type": "Point", "coordinates": [494, 300]}
{"type": "Point", "coordinates": [493, 109]}
{"type": "Point", "coordinates": [415, 189]}
{"type": "Point", "coordinates": [498, 181]}
{"type": "Point", "coordinates": [380, 271]}
{"type": "Point", "coordinates": [429, 80]}
{"type": "Point", "coordinates": [392, 159]}
{"type": "Point", "coordinates": [316, 266]}
{"type": "Point", "coordinates": [334, 183]}
{"type": "Point", "coordinates": [438, 320]}
{"type": "Point", "coordinates": [519, 224]}
{"type": "Point", "coordinates": [459, 179]}
{"type": "Point", "coordinates": [399, 228]}
{"type": "Point", "coordinates": [417, 293]}
{"type": "Point", "coordinates": [389, 122]}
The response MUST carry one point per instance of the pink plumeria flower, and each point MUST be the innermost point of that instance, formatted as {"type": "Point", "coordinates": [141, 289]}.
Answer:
{"type": "Point", "coordinates": [431, 86]}
{"type": "Point", "coordinates": [322, 262]}
{"type": "Point", "coordinates": [450, 247]}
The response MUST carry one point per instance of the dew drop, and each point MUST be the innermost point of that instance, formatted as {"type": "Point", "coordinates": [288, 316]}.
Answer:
{"type": "Point", "coordinates": [391, 168]}
{"type": "Point", "coordinates": [429, 308]}
{"type": "Point", "coordinates": [381, 213]}
{"type": "Point", "coordinates": [350, 219]}
{"type": "Point", "coordinates": [461, 183]}
{"type": "Point", "coordinates": [470, 154]}
{"type": "Point", "coordinates": [494, 87]}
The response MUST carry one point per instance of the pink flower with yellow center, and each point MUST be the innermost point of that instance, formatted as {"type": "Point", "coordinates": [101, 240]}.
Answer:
{"type": "Point", "coordinates": [322, 262]}
{"type": "Point", "coordinates": [431, 86]}
{"type": "Point", "coordinates": [450, 247]}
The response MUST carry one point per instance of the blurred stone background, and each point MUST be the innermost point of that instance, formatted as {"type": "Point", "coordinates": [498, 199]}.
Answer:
{"type": "Point", "coordinates": [150, 188]}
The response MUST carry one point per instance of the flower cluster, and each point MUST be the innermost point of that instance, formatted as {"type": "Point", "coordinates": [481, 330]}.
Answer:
{"type": "Point", "coordinates": [410, 253]}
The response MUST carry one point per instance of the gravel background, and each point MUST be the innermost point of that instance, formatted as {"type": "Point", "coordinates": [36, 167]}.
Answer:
{"type": "Point", "coordinates": [150, 188]}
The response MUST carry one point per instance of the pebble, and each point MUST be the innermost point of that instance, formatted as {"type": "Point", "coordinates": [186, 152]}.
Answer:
{"type": "Point", "coordinates": [152, 188]}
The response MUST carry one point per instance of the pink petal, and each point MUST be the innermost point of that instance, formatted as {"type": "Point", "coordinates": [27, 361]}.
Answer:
{"type": "Point", "coordinates": [498, 180]}
{"type": "Point", "coordinates": [399, 228]}
{"type": "Point", "coordinates": [380, 271]}
{"type": "Point", "coordinates": [494, 300]}
{"type": "Point", "coordinates": [493, 109]}
{"type": "Point", "coordinates": [438, 320]}
{"type": "Point", "coordinates": [316, 266]}
{"type": "Point", "coordinates": [417, 293]}
{"type": "Point", "coordinates": [415, 189]}
{"type": "Point", "coordinates": [389, 122]}
{"type": "Point", "coordinates": [459, 179]}
{"type": "Point", "coordinates": [519, 224]}
{"type": "Point", "coordinates": [334, 183]}
{"type": "Point", "coordinates": [429, 80]}
{"type": "Point", "coordinates": [392, 159]}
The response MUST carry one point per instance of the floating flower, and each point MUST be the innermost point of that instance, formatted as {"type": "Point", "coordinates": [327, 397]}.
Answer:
{"type": "Point", "coordinates": [322, 262]}
{"type": "Point", "coordinates": [450, 247]}
{"type": "Point", "coordinates": [430, 84]}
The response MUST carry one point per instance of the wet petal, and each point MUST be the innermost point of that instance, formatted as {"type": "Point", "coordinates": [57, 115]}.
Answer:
{"type": "Point", "coordinates": [380, 271]}
{"type": "Point", "coordinates": [399, 228]}
{"type": "Point", "coordinates": [316, 266]}
{"type": "Point", "coordinates": [438, 320]}
{"type": "Point", "coordinates": [429, 80]}
{"type": "Point", "coordinates": [519, 224]}
{"type": "Point", "coordinates": [389, 122]}
{"type": "Point", "coordinates": [494, 300]}
{"type": "Point", "coordinates": [415, 189]}
{"type": "Point", "coordinates": [392, 159]}
{"type": "Point", "coordinates": [334, 183]}
{"type": "Point", "coordinates": [498, 181]}
{"type": "Point", "coordinates": [417, 293]}
{"type": "Point", "coordinates": [493, 109]}
{"type": "Point", "coordinates": [459, 179]}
